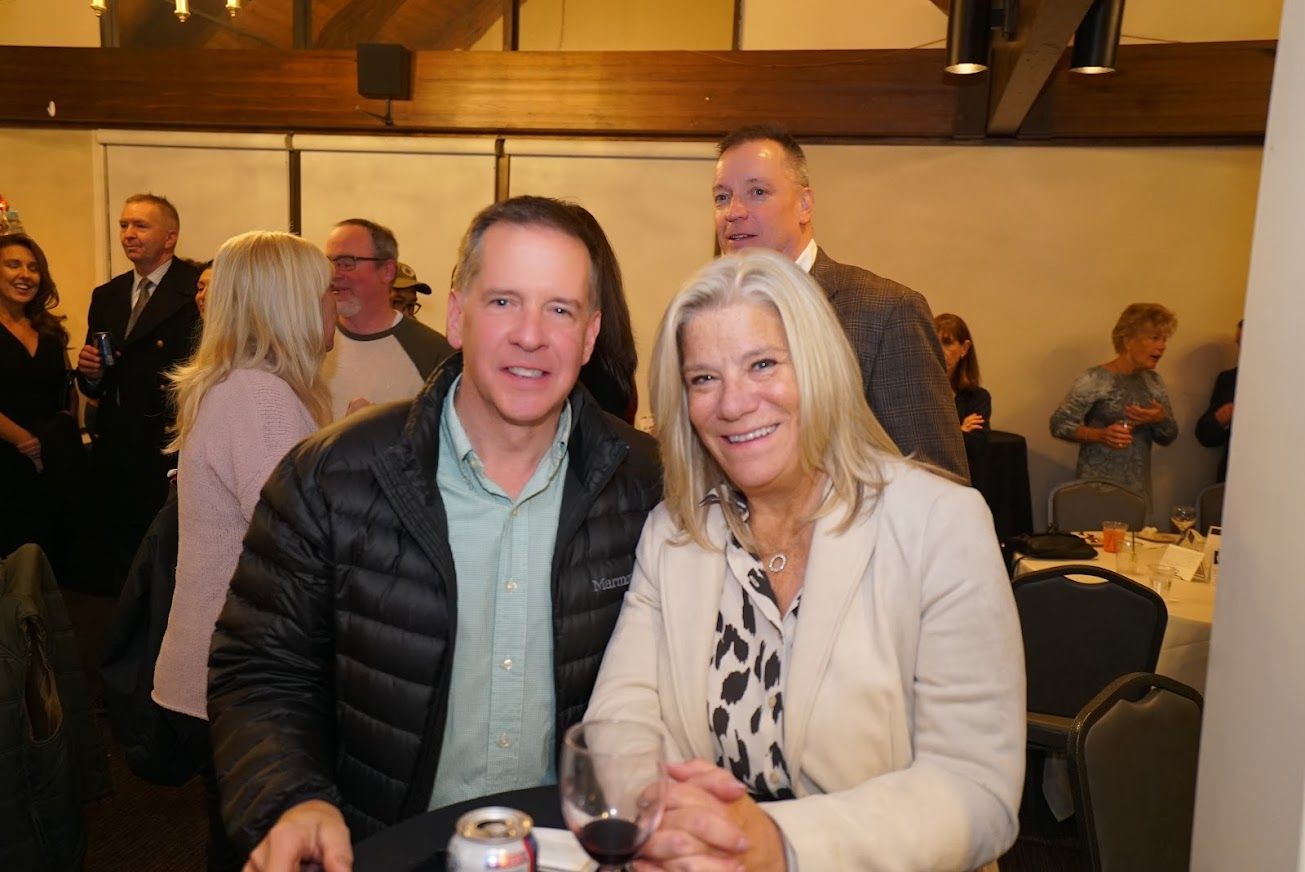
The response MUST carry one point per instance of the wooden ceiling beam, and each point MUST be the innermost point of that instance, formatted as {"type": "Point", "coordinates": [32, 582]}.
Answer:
{"type": "Point", "coordinates": [1162, 91]}
{"type": "Point", "coordinates": [1023, 66]}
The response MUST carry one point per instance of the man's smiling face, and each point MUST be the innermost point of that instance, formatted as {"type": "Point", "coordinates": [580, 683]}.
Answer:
{"type": "Point", "coordinates": [759, 202]}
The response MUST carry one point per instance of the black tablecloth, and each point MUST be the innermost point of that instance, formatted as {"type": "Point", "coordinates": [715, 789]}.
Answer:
{"type": "Point", "coordinates": [419, 843]}
{"type": "Point", "coordinates": [1004, 482]}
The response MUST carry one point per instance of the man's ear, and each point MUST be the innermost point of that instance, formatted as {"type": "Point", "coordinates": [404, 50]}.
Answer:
{"type": "Point", "coordinates": [453, 321]}
{"type": "Point", "coordinates": [389, 270]}
{"type": "Point", "coordinates": [806, 206]}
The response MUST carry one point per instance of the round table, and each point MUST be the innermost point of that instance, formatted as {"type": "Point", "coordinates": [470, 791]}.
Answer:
{"type": "Point", "coordinates": [419, 843]}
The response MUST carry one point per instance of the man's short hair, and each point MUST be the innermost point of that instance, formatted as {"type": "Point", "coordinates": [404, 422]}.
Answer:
{"type": "Point", "coordinates": [525, 211]}
{"type": "Point", "coordinates": [162, 204]}
{"type": "Point", "coordinates": [797, 158]}
{"type": "Point", "coordinates": [384, 243]}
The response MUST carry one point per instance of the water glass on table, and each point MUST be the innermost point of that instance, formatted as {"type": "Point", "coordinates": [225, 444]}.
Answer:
{"type": "Point", "coordinates": [1112, 535]}
{"type": "Point", "coordinates": [1162, 579]}
{"type": "Point", "coordinates": [613, 783]}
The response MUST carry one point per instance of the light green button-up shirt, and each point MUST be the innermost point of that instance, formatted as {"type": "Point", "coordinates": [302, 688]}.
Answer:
{"type": "Point", "coordinates": [500, 727]}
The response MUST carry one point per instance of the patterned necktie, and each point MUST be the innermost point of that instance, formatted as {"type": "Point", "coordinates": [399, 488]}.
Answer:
{"type": "Point", "coordinates": [141, 299]}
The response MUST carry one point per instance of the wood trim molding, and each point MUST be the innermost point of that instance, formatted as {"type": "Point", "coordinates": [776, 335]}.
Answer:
{"type": "Point", "coordinates": [1179, 91]}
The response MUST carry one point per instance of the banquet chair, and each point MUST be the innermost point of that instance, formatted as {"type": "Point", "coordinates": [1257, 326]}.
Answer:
{"type": "Point", "coordinates": [1079, 637]}
{"type": "Point", "coordinates": [1083, 504]}
{"type": "Point", "coordinates": [1133, 755]}
{"type": "Point", "coordinates": [1209, 508]}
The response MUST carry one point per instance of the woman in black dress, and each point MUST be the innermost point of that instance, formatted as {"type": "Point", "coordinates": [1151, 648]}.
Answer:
{"type": "Point", "coordinates": [973, 403]}
{"type": "Point", "coordinates": [39, 442]}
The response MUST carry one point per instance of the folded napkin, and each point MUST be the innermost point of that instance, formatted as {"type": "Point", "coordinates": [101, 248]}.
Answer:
{"type": "Point", "coordinates": [560, 851]}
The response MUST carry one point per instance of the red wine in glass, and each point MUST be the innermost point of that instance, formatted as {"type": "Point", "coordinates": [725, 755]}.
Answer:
{"type": "Point", "coordinates": [612, 778]}
{"type": "Point", "coordinates": [610, 841]}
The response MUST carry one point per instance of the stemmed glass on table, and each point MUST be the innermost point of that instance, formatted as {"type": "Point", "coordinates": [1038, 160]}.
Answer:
{"type": "Point", "coordinates": [612, 777]}
{"type": "Point", "coordinates": [1183, 517]}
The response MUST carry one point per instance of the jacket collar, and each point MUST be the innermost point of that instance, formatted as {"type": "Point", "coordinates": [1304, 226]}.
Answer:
{"type": "Point", "coordinates": [174, 292]}
{"type": "Point", "coordinates": [406, 469]}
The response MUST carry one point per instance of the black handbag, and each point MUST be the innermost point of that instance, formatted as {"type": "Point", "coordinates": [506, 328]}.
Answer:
{"type": "Point", "coordinates": [1053, 546]}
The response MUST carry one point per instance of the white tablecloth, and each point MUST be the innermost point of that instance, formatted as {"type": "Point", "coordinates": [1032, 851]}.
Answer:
{"type": "Point", "coordinates": [1185, 651]}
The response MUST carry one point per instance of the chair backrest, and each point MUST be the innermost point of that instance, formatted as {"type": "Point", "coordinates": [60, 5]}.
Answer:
{"type": "Point", "coordinates": [1132, 755]}
{"type": "Point", "coordinates": [1084, 504]}
{"type": "Point", "coordinates": [1080, 636]}
{"type": "Point", "coordinates": [1209, 508]}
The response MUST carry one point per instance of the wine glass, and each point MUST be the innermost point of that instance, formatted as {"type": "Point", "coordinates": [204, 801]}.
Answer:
{"type": "Point", "coordinates": [613, 783]}
{"type": "Point", "coordinates": [1183, 517]}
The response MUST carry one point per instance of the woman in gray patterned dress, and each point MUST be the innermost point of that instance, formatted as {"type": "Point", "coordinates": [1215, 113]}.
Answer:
{"type": "Point", "coordinates": [1116, 410]}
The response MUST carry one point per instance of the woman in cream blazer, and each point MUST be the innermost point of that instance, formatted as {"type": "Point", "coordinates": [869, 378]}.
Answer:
{"type": "Point", "coordinates": [902, 675]}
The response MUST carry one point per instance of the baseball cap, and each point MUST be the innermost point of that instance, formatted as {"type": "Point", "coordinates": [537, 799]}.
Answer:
{"type": "Point", "coordinates": [406, 277]}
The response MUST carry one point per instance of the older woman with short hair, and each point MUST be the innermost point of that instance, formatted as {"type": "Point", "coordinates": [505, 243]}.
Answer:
{"type": "Point", "coordinates": [823, 630]}
{"type": "Point", "coordinates": [1116, 410]}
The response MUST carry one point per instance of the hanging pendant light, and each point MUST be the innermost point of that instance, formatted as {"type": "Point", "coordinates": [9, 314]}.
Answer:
{"type": "Point", "coordinates": [182, 10]}
{"type": "Point", "coordinates": [1096, 42]}
{"type": "Point", "coordinates": [99, 7]}
{"type": "Point", "coordinates": [233, 6]}
{"type": "Point", "coordinates": [967, 36]}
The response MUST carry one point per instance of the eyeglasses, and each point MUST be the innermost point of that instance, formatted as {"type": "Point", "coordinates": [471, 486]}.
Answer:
{"type": "Point", "coordinates": [349, 262]}
{"type": "Point", "coordinates": [401, 304]}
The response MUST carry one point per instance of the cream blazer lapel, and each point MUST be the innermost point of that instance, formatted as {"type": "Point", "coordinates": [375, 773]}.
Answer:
{"type": "Point", "coordinates": [691, 584]}
{"type": "Point", "coordinates": [838, 565]}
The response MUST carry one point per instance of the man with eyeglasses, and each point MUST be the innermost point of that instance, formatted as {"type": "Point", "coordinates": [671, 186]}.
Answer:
{"type": "Point", "coordinates": [404, 291]}
{"type": "Point", "coordinates": [379, 354]}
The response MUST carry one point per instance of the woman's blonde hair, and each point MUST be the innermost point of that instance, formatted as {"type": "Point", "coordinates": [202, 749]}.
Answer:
{"type": "Point", "coordinates": [1139, 317]}
{"type": "Point", "coordinates": [838, 436]}
{"type": "Point", "coordinates": [263, 311]}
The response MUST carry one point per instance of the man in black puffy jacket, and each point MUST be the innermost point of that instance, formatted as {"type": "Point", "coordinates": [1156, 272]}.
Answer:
{"type": "Point", "coordinates": [427, 588]}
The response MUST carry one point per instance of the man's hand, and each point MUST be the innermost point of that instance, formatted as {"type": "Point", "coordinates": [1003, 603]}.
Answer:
{"type": "Point", "coordinates": [89, 363]}
{"type": "Point", "coordinates": [711, 824]}
{"type": "Point", "coordinates": [313, 832]}
{"type": "Point", "coordinates": [973, 421]}
{"type": "Point", "coordinates": [1224, 414]}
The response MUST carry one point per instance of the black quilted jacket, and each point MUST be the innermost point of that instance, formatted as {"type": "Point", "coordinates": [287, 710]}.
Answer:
{"type": "Point", "coordinates": [329, 671]}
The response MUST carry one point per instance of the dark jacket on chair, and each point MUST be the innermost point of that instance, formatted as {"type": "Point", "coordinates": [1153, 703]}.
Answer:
{"type": "Point", "coordinates": [51, 757]}
{"type": "Point", "coordinates": [330, 669]}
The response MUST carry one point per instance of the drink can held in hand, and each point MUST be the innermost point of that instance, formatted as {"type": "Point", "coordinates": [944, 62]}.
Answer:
{"type": "Point", "coordinates": [493, 839]}
{"type": "Point", "coordinates": [104, 345]}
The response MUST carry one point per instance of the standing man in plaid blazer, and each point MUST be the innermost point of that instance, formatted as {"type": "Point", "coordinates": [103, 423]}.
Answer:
{"type": "Point", "coordinates": [763, 197]}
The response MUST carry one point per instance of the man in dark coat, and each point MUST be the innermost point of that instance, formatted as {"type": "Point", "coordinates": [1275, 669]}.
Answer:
{"type": "Point", "coordinates": [1214, 427]}
{"type": "Point", "coordinates": [763, 197]}
{"type": "Point", "coordinates": [428, 586]}
{"type": "Point", "coordinates": [151, 317]}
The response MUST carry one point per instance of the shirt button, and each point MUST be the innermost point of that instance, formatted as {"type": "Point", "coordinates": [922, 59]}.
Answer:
{"type": "Point", "coordinates": [774, 778]}
{"type": "Point", "coordinates": [507, 664]}
{"type": "Point", "coordinates": [511, 585]}
{"type": "Point", "coordinates": [504, 741]}
{"type": "Point", "coordinates": [774, 700]}
{"type": "Point", "coordinates": [514, 513]}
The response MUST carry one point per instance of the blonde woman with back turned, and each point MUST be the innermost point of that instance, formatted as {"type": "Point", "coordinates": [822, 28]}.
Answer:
{"type": "Point", "coordinates": [252, 390]}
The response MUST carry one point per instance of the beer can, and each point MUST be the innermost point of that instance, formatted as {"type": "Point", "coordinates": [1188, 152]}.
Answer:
{"type": "Point", "coordinates": [493, 839]}
{"type": "Point", "coordinates": [104, 345]}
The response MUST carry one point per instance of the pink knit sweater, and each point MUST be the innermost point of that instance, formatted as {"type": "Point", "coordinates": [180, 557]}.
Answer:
{"type": "Point", "coordinates": [246, 424]}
